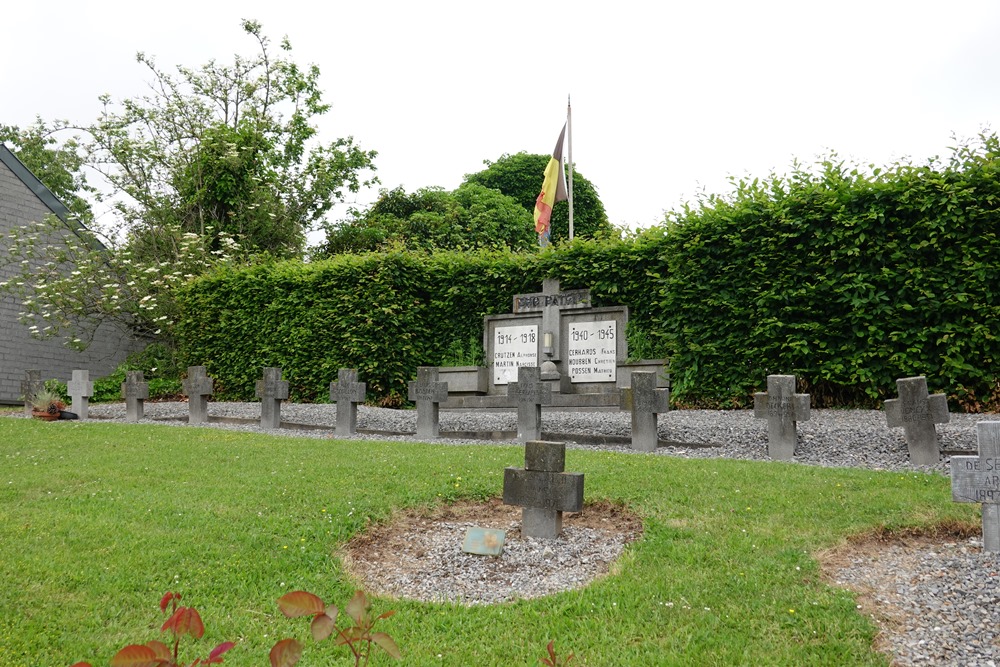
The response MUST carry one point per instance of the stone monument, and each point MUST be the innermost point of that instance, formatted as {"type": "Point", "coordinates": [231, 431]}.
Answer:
{"type": "Point", "coordinates": [347, 392]}
{"type": "Point", "coordinates": [271, 390]}
{"type": "Point", "coordinates": [428, 393]}
{"type": "Point", "coordinates": [976, 479]}
{"type": "Point", "coordinates": [645, 402]}
{"type": "Point", "coordinates": [917, 412]}
{"type": "Point", "coordinates": [782, 408]}
{"type": "Point", "coordinates": [80, 389]}
{"type": "Point", "coordinates": [542, 489]}
{"type": "Point", "coordinates": [198, 387]}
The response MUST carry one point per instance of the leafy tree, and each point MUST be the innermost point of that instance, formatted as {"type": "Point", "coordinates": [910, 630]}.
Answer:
{"type": "Point", "coordinates": [58, 165]}
{"type": "Point", "coordinates": [470, 217]}
{"type": "Point", "coordinates": [227, 147]}
{"type": "Point", "coordinates": [520, 176]}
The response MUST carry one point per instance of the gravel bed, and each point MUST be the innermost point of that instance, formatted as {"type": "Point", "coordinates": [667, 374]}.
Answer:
{"type": "Point", "coordinates": [937, 603]}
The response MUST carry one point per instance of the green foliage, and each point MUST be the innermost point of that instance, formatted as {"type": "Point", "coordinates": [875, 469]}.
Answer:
{"type": "Point", "coordinates": [471, 217]}
{"type": "Point", "coordinates": [227, 149]}
{"type": "Point", "coordinates": [58, 165]}
{"type": "Point", "coordinates": [160, 368]}
{"type": "Point", "coordinates": [520, 176]}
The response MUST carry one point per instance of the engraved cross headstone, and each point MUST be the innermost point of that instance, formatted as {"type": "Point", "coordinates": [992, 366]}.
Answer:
{"type": "Point", "coordinates": [782, 408]}
{"type": "Point", "coordinates": [271, 390]}
{"type": "Point", "coordinates": [135, 389]}
{"type": "Point", "coordinates": [551, 302]}
{"type": "Point", "coordinates": [917, 412]}
{"type": "Point", "coordinates": [529, 393]}
{"type": "Point", "coordinates": [645, 402]}
{"type": "Point", "coordinates": [542, 489]}
{"type": "Point", "coordinates": [30, 386]}
{"type": "Point", "coordinates": [428, 393]}
{"type": "Point", "coordinates": [976, 479]}
{"type": "Point", "coordinates": [198, 387]}
{"type": "Point", "coordinates": [80, 389]}
{"type": "Point", "coordinates": [347, 392]}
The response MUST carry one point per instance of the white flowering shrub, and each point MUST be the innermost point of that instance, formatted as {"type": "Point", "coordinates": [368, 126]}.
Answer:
{"type": "Point", "coordinates": [68, 283]}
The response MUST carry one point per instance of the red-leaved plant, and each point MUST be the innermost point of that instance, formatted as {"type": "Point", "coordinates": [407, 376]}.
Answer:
{"type": "Point", "coordinates": [553, 659]}
{"type": "Point", "coordinates": [358, 637]}
{"type": "Point", "coordinates": [182, 621]}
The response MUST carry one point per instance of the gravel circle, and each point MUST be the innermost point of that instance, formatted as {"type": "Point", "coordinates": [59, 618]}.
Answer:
{"type": "Point", "coordinates": [937, 602]}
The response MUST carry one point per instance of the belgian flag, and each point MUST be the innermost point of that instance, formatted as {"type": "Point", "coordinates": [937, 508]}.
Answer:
{"type": "Point", "coordinates": [553, 190]}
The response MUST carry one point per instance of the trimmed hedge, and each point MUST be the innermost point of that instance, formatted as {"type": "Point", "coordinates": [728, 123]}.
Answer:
{"type": "Point", "coordinates": [847, 278]}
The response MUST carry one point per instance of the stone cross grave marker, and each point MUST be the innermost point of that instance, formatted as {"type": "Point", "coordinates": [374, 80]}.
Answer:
{"type": "Point", "coordinates": [542, 489]}
{"type": "Point", "coordinates": [917, 412]}
{"type": "Point", "coordinates": [198, 387]}
{"type": "Point", "coordinates": [31, 385]}
{"type": "Point", "coordinates": [529, 393]}
{"type": "Point", "coordinates": [976, 479]}
{"type": "Point", "coordinates": [645, 402]}
{"type": "Point", "coordinates": [135, 389]}
{"type": "Point", "coordinates": [271, 390]}
{"type": "Point", "coordinates": [427, 392]}
{"type": "Point", "coordinates": [347, 392]}
{"type": "Point", "coordinates": [551, 302]}
{"type": "Point", "coordinates": [782, 408]}
{"type": "Point", "coordinates": [80, 389]}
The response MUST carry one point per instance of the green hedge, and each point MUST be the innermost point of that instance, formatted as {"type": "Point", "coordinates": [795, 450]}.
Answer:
{"type": "Point", "coordinates": [847, 278]}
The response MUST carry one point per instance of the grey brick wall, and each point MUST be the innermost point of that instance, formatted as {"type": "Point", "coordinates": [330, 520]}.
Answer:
{"type": "Point", "coordinates": [18, 350]}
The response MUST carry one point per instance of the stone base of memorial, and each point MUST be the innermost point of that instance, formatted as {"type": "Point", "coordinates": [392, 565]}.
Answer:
{"type": "Point", "coordinates": [464, 380]}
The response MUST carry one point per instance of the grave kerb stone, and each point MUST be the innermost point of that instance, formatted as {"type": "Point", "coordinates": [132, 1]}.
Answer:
{"type": "Point", "coordinates": [529, 394]}
{"type": "Point", "coordinates": [31, 385]}
{"type": "Point", "coordinates": [135, 389]}
{"type": "Point", "coordinates": [80, 389]}
{"type": "Point", "coordinates": [347, 392]}
{"type": "Point", "coordinates": [782, 408]}
{"type": "Point", "coordinates": [428, 393]}
{"type": "Point", "coordinates": [917, 412]}
{"type": "Point", "coordinates": [542, 489]}
{"type": "Point", "coordinates": [271, 390]}
{"type": "Point", "coordinates": [645, 402]}
{"type": "Point", "coordinates": [976, 479]}
{"type": "Point", "coordinates": [198, 387]}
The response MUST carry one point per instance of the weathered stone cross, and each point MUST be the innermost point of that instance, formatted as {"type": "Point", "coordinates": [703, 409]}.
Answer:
{"type": "Point", "coordinates": [428, 393]}
{"type": "Point", "coordinates": [31, 385]}
{"type": "Point", "coordinates": [782, 408]}
{"type": "Point", "coordinates": [917, 412]}
{"type": "Point", "coordinates": [347, 392]}
{"type": "Point", "coordinates": [198, 387]}
{"type": "Point", "coordinates": [645, 402]}
{"type": "Point", "coordinates": [80, 389]}
{"type": "Point", "coordinates": [976, 479]}
{"type": "Point", "coordinates": [271, 390]}
{"type": "Point", "coordinates": [135, 389]}
{"type": "Point", "coordinates": [551, 302]}
{"type": "Point", "coordinates": [529, 393]}
{"type": "Point", "coordinates": [542, 489]}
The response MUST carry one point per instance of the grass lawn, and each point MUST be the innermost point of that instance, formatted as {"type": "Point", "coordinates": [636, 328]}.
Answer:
{"type": "Point", "coordinates": [98, 520]}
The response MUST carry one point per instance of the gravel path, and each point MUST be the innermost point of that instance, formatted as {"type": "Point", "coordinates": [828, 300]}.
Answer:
{"type": "Point", "coordinates": [937, 602]}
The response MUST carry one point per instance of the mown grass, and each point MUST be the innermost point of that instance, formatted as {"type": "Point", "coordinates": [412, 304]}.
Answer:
{"type": "Point", "coordinates": [98, 520]}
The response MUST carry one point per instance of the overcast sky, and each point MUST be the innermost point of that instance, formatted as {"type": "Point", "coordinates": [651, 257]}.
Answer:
{"type": "Point", "coordinates": [669, 98]}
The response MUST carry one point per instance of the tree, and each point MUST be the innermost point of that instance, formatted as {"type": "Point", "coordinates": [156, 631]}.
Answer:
{"type": "Point", "coordinates": [227, 147]}
{"type": "Point", "coordinates": [520, 176]}
{"type": "Point", "coordinates": [58, 165]}
{"type": "Point", "coordinates": [470, 217]}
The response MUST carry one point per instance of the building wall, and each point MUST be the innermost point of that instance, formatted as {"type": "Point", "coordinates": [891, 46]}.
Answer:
{"type": "Point", "coordinates": [18, 350]}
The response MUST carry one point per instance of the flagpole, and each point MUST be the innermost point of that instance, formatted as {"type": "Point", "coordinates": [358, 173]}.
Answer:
{"type": "Point", "coordinates": [569, 195]}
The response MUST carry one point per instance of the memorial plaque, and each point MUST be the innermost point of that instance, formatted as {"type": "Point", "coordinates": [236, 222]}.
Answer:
{"type": "Point", "coordinates": [593, 351]}
{"type": "Point", "coordinates": [513, 347]}
{"type": "Point", "coordinates": [484, 541]}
